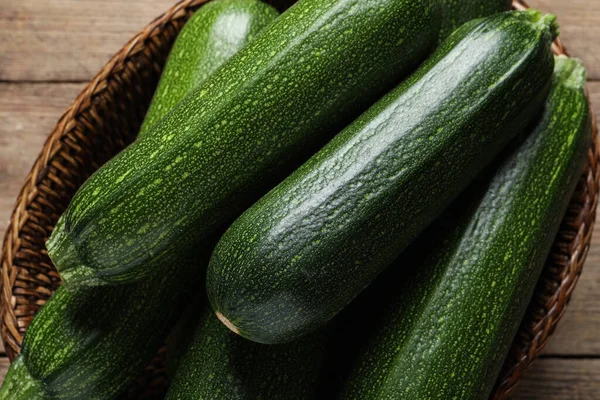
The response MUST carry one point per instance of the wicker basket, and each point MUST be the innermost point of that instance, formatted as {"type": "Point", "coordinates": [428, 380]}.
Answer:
{"type": "Point", "coordinates": [106, 116]}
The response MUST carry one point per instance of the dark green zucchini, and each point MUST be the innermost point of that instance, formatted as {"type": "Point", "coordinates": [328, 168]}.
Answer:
{"type": "Point", "coordinates": [305, 77]}
{"type": "Point", "coordinates": [446, 330]}
{"type": "Point", "coordinates": [216, 32]}
{"type": "Point", "coordinates": [219, 364]}
{"type": "Point", "coordinates": [457, 12]}
{"type": "Point", "coordinates": [92, 344]}
{"type": "Point", "coordinates": [306, 249]}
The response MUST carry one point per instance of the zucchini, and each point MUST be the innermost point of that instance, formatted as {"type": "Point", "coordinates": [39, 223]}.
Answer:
{"type": "Point", "coordinates": [306, 249]}
{"type": "Point", "coordinates": [447, 329]}
{"type": "Point", "coordinates": [92, 344]}
{"type": "Point", "coordinates": [303, 78]}
{"type": "Point", "coordinates": [220, 364]}
{"type": "Point", "coordinates": [457, 12]}
{"type": "Point", "coordinates": [216, 32]}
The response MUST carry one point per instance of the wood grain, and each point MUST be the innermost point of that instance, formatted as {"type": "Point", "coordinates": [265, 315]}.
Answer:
{"type": "Point", "coordinates": [560, 379]}
{"type": "Point", "coordinates": [69, 40]}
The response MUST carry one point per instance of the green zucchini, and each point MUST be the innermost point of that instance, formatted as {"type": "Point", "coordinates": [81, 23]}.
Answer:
{"type": "Point", "coordinates": [216, 32]}
{"type": "Point", "coordinates": [92, 344]}
{"type": "Point", "coordinates": [303, 78]}
{"type": "Point", "coordinates": [219, 364]}
{"type": "Point", "coordinates": [446, 329]}
{"type": "Point", "coordinates": [457, 12]}
{"type": "Point", "coordinates": [305, 250]}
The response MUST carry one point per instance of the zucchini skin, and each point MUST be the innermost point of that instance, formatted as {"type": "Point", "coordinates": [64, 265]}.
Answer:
{"type": "Point", "coordinates": [92, 344]}
{"type": "Point", "coordinates": [215, 32]}
{"type": "Point", "coordinates": [304, 77]}
{"type": "Point", "coordinates": [446, 330]}
{"type": "Point", "coordinates": [299, 255]}
{"type": "Point", "coordinates": [220, 364]}
{"type": "Point", "coordinates": [457, 12]}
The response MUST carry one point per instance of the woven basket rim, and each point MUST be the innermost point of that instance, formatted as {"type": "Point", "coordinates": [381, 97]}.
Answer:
{"type": "Point", "coordinates": [18, 279]}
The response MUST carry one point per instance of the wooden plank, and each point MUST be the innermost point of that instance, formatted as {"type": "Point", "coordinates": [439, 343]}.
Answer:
{"type": "Point", "coordinates": [560, 379]}
{"type": "Point", "coordinates": [27, 114]}
{"type": "Point", "coordinates": [71, 39]}
{"type": "Point", "coordinates": [67, 39]}
{"type": "Point", "coordinates": [4, 364]}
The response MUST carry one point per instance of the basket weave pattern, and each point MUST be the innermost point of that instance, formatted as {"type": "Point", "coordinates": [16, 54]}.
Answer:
{"type": "Point", "coordinates": [106, 116]}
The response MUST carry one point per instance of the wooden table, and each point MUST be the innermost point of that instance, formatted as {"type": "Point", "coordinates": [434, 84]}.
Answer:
{"type": "Point", "coordinates": [50, 49]}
